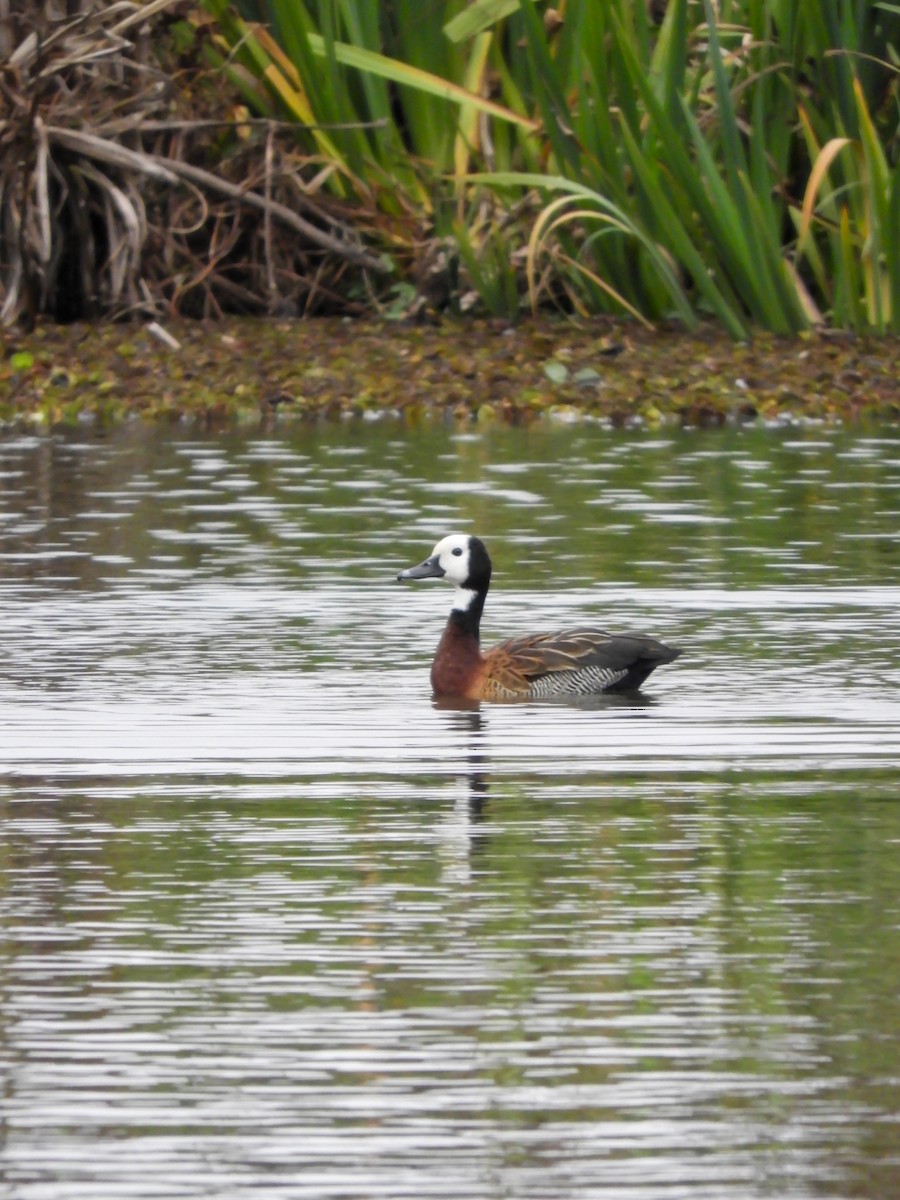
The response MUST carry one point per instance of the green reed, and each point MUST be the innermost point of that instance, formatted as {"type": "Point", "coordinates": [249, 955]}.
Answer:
{"type": "Point", "coordinates": [737, 160]}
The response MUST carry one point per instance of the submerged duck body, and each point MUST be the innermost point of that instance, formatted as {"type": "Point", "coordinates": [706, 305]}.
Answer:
{"type": "Point", "coordinates": [571, 662]}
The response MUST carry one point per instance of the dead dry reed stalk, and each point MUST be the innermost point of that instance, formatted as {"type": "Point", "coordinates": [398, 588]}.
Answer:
{"type": "Point", "coordinates": [124, 192]}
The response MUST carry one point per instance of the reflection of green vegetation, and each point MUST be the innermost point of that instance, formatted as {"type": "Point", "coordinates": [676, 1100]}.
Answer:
{"type": "Point", "coordinates": [758, 914]}
{"type": "Point", "coordinates": [561, 505]}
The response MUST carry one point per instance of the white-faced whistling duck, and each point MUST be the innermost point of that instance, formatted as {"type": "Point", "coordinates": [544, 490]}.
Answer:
{"type": "Point", "coordinates": [573, 662]}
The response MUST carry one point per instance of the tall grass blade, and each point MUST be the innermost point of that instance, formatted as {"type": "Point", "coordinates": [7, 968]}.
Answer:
{"type": "Point", "coordinates": [479, 16]}
{"type": "Point", "coordinates": [414, 77]}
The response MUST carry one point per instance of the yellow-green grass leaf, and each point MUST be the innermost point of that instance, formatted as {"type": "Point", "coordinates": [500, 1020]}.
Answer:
{"type": "Point", "coordinates": [467, 129]}
{"type": "Point", "coordinates": [477, 17]}
{"type": "Point", "coordinates": [817, 176]}
{"type": "Point", "coordinates": [811, 310]}
{"type": "Point", "coordinates": [607, 288]}
{"type": "Point", "coordinates": [415, 77]}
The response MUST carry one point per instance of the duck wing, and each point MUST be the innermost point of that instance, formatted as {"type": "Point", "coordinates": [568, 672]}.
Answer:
{"type": "Point", "coordinates": [574, 662]}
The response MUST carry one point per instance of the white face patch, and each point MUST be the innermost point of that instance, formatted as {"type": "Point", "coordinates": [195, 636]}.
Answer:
{"type": "Point", "coordinates": [452, 553]}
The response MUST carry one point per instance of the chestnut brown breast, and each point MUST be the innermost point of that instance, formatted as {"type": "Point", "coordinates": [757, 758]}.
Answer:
{"type": "Point", "coordinates": [573, 662]}
{"type": "Point", "coordinates": [458, 665]}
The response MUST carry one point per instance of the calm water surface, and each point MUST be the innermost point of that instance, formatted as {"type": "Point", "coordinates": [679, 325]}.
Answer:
{"type": "Point", "coordinates": [273, 922]}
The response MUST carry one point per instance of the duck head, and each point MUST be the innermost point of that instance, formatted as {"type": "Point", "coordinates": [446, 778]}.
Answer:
{"type": "Point", "coordinates": [462, 560]}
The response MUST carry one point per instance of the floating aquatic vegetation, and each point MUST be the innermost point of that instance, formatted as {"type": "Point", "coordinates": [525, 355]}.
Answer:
{"type": "Point", "coordinates": [461, 371]}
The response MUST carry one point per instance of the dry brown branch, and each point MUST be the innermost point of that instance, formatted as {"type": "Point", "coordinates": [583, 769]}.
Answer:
{"type": "Point", "coordinates": [116, 155]}
{"type": "Point", "coordinates": [213, 183]}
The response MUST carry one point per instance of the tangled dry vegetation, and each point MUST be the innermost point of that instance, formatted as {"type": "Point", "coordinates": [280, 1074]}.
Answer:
{"type": "Point", "coordinates": [116, 201]}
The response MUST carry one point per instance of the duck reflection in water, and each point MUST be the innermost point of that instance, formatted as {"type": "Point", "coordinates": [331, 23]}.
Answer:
{"type": "Point", "coordinates": [464, 834]}
{"type": "Point", "coordinates": [467, 719]}
{"type": "Point", "coordinates": [465, 830]}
